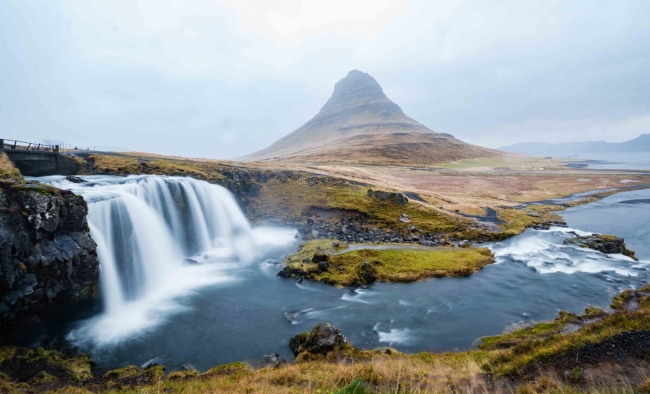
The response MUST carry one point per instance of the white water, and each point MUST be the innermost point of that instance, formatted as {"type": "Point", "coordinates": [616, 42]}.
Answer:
{"type": "Point", "coordinates": [158, 240]}
{"type": "Point", "coordinates": [544, 251]}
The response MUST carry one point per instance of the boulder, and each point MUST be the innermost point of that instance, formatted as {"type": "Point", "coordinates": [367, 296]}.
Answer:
{"type": "Point", "coordinates": [323, 340]}
{"type": "Point", "coordinates": [397, 198]}
{"type": "Point", "coordinates": [319, 257]}
{"type": "Point", "coordinates": [75, 179]}
{"type": "Point", "coordinates": [366, 274]}
{"type": "Point", "coordinates": [607, 244]}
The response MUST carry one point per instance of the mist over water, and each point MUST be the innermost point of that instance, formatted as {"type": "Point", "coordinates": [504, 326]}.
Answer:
{"type": "Point", "coordinates": [230, 306]}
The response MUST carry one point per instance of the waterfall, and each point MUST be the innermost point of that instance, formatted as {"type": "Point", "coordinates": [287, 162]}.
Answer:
{"type": "Point", "coordinates": [159, 238]}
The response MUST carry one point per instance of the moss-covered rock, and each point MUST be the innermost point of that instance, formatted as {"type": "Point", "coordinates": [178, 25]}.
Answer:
{"type": "Point", "coordinates": [41, 368]}
{"type": "Point", "coordinates": [608, 244]}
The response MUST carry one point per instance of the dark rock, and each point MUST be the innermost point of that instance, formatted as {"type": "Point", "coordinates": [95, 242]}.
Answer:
{"type": "Point", "coordinates": [397, 198]}
{"type": "Point", "coordinates": [288, 272]}
{"type": "Point", "coordinates": [190, 262]}
{"type": "Point", "coordinates": [75, 179]}
{"type": "Point", "coordinates": [366, 274]}
{"type": "Point", "coordinates": [47, 257]}
{"type": "Point", "coordinates": [323, 339]}
{"type": "Point", "coordinates": [607, 244]}
{"type": "Point", "coordinates": [323, 266]}
{"type": "Point", "coordinates": [319, 256]}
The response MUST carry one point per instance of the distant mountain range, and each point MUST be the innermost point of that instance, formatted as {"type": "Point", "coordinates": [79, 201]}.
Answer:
{"type": "Point", "coordinates": [640, 144]}
{"type": "Point", "coordinates": [359, 124]}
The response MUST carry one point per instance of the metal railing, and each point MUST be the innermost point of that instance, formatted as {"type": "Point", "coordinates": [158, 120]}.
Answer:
{"type": "Point", "coordinates": [6, 145]}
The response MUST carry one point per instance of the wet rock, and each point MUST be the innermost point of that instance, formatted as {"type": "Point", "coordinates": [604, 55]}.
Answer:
{"type": "Point", "coordinates": [190, 262]}
{"type": "Point", "coordinates": [397, 198]}
{"type": "Point", "coordinates": [607, 244]}
{"type": "Point", "coordinates": [75, 179]}
{"type": "Point", "coordinates": [272, 358]}
{"type": "Point", "coordinates": [47, 257]}
{"type": "Point", "coordinates": [288, 272]}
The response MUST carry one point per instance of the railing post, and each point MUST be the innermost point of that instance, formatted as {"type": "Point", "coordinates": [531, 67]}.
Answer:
{"type": "Point", "coordinates": [56, 149]}
{"type": "Point", "coordinates": [2, 145]}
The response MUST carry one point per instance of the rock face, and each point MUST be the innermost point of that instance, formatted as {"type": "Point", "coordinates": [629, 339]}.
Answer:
{"type": "Point", "coordinates": [397, 198]}
{"type": "Point", "coordinates": [607, 244]}
{"type": "Point", "coordinates": [47, 257]}
{"type": "Point", "coordinates": [323, 340]}
{"type": "Point", "coordinates": [359, 124]}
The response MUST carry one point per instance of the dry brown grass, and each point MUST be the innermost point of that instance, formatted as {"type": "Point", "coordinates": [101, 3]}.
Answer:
{"type": "Point", "coordinates": [8, 170]}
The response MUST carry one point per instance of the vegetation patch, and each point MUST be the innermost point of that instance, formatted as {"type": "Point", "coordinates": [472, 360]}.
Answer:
{"type": "Point", "coordinates": [294, 198]}
{"type": "Point", "coordinates": [8, 170]}
{"type": "Point", "coordinates": [322, 261]}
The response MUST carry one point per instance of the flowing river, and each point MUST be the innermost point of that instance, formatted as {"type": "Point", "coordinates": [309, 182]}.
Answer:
{"type": "Point", "coordinates": [185, 279]}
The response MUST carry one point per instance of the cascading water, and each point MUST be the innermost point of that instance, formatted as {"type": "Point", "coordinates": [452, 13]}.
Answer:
{"type": "Point", "coordinates": [159, 238]}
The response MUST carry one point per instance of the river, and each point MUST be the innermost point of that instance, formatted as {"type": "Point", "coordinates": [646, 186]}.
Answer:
{"type": "Point", "coordinates": [227, 304]}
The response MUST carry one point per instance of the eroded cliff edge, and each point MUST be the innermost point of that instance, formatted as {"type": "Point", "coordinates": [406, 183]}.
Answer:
{"type": "Point", "coordinates": [47, 257]}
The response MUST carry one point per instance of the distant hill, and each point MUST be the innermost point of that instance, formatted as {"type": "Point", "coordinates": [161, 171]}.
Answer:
{"type": "Point", "coordinates": [359, 124]}
{"type": "Point", "coordinates": [640, 144]}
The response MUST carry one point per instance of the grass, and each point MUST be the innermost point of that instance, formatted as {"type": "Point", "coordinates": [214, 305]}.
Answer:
{"type": "Point", "coordinates": [523, 356]}
{"type": "Point", "coordinates": [518, 220]}
{"type": "Point", "coordinates": [537, 331]}
{"type": "Point", "coordinates": [294, 199]}
{"type": "Point", "coordinates": [125, 165]}
{"type": "Point", "coordinates": [8, 170]}
{"type": "Point", "coordinates": [390, 265]}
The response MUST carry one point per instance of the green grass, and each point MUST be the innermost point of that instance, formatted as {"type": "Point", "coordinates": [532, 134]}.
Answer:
{"type": "Point", "coordinates": [391, 265]}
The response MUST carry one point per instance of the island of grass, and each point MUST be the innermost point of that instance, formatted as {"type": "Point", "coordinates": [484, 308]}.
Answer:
{"type": "Point", "coordinates": [336, 264]}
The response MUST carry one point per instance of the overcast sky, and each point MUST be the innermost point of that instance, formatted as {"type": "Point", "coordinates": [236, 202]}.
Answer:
{"type": "Point", "coordinates": [222, 78]}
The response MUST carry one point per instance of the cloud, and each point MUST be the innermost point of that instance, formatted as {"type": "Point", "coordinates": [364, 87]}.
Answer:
{"type": "Point", "coordinates": [224, 78]}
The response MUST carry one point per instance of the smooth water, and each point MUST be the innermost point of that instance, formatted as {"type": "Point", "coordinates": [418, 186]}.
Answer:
{"type": "Point", "coordinates": [228, 308]}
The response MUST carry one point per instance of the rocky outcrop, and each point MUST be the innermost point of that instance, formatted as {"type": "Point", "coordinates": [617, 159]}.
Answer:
{"type": "Point", "coordinates": [47, 257]}
{"type": "Point", "coordinates": [324, 340]}
{"type": "Point", "coordinates": [607, 244]}
{"type": "Point", "coordinates": [397, 198]}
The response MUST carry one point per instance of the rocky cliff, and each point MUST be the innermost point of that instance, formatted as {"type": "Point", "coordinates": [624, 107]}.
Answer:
{"type": "Point", "coordinates": [47, 257]}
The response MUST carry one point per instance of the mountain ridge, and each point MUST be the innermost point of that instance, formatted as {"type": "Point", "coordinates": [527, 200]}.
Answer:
{"type": "Point", "coordinates": [639, 144]}
{"type": "Point", "coordinates": [360, 124]}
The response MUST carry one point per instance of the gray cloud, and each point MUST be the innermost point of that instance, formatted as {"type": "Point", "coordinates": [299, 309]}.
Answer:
{"type": "Point", "coordinates": [221, 79]}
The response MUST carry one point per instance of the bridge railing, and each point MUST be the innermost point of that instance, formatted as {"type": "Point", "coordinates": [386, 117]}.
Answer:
{"type": "Point", "coordinates": [25, 145]}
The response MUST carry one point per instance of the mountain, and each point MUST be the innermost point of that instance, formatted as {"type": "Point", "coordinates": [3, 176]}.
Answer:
{"type": "Point", "coordinates": [640, 144]}
{"type": "Point", "coordinates": [359, 124]}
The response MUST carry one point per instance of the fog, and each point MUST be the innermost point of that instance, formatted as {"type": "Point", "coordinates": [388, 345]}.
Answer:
{"type": "Point", "coordinates": [224, 78]}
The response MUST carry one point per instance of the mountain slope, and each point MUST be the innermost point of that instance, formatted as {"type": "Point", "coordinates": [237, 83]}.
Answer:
{"type": "Point", "coordinates": [639, 144]}
{"type": "Point", "coordinates": [359, 124]}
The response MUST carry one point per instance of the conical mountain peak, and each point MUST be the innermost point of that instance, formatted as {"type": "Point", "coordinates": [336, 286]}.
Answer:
{"type": "Point", "coordinates": [358, 89]}
{"type": "Point", "coordinates": [359, 124]}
